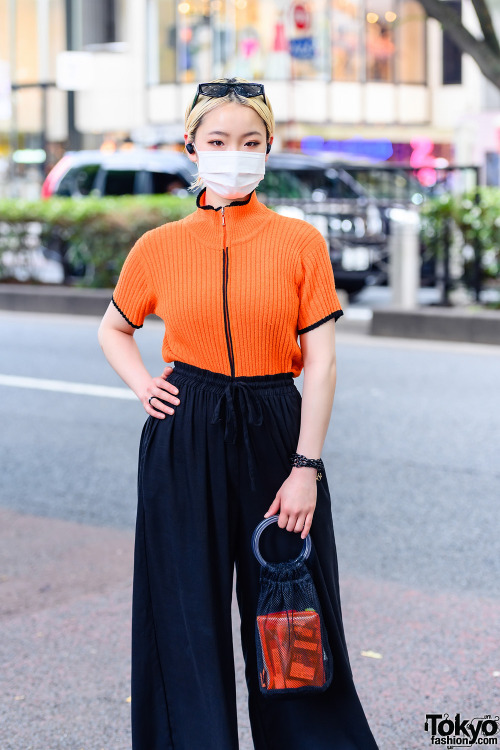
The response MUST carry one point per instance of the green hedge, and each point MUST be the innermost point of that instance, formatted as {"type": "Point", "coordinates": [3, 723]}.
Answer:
{"type": "Point", "coordinates": [96, 234]}
{"type": "Point", "coordinates": [476, 215]}
{"type": "Point", "coordinates": [91, 233]}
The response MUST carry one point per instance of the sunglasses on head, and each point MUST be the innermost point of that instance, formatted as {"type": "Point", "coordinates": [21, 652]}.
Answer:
{"type": "Point", "coordinates": [215, 90]}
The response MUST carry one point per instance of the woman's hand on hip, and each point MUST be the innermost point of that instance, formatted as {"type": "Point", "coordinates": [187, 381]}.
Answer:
{"type": "Point", "coordinates": [160, 388]}
{"type": "Point", "coordinates": [296, 500]}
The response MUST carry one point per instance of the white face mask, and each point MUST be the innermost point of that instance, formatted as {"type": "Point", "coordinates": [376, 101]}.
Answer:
{"type": "Point", "coordinates": [231, 174]}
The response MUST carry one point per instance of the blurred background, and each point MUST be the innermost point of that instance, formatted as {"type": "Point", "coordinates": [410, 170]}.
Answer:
{"type": "Point", "coordinates": [388, 141]}
{"type": "Point", "coordinates": [387, 114]}
{"type": "Point", "coordinates": [357, 78]}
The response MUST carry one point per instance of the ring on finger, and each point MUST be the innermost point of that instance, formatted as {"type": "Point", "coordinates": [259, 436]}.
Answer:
{"type": "Point", "coordinates": [149, 399]}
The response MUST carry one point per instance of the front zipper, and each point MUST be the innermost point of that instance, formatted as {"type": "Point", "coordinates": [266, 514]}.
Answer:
{"type": "Point", "coordinates": [225, 273]}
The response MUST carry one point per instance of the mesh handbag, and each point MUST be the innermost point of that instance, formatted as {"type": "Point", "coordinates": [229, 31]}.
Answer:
{"type": "Point", "coordinates": [293, 655]}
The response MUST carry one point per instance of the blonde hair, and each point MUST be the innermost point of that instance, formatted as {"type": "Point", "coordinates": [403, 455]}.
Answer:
{"type": "Point", "coordinates": [204, 104]}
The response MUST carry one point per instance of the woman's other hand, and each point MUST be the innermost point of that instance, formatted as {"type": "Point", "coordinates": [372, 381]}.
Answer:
{"type": "Point", "coordinates": [296, 500]}
{"type": "Point", "coordinates": [160, 388]}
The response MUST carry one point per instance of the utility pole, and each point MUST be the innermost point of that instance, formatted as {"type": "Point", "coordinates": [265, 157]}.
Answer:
{"type": "Point", "coordinates": [74, 136]}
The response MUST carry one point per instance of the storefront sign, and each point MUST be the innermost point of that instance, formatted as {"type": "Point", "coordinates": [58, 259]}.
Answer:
{"type": "Point", "coordinates": [423, 159]}
{"type": "Point", "coordinates": [301, 16]}
{"type": "Point", "coordinates": [75, 70]}
{"type": "Point", "coordinates": [302, 48]}
{"type": "Point", "coordinates": [5, 91]}
{"type": "Point", "coordinates": [360, 148]}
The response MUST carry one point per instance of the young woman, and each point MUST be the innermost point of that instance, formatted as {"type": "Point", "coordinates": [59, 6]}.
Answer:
{"type": "Point", "coordinates": [228, 441]}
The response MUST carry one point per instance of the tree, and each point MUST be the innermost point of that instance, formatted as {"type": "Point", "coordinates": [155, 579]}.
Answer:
{"type": "Point", "coordinates": [485, 51]}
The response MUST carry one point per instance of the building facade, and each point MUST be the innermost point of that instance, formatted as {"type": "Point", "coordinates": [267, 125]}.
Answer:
{"type": "Point", "coordinates": [366, 78]}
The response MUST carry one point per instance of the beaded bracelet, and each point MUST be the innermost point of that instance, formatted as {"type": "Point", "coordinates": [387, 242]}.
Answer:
{"type": "Point", "coordinates": [298, 459]}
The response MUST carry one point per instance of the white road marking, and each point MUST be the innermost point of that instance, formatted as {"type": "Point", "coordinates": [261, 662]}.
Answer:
{"type": "Point", "coordinates": [64, 386]}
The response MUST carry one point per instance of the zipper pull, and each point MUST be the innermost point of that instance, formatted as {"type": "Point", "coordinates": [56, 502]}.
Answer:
{"type": "Point", "coordinates": [223, 217]}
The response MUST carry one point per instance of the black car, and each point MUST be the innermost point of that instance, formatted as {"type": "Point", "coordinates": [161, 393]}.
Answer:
{"type": "Point", "coordinates": [333, 201]}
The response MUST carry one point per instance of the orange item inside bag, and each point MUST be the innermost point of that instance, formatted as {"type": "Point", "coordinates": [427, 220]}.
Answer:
{"type": "Point", "coordinates": [292, 649]}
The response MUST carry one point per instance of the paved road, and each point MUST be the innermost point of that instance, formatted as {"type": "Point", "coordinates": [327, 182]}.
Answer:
{"type": "Point", "coordinates": [412, 460]}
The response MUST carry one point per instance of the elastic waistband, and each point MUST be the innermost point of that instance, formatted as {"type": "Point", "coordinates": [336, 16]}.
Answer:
{"type": "Point", "coordinates": [218, 381]}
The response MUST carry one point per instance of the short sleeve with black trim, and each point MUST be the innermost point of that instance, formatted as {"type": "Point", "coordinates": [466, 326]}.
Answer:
{"type": "Point", "coordinates": [133, 295]}
{"type": "Point", "coordinates": [318, 300]}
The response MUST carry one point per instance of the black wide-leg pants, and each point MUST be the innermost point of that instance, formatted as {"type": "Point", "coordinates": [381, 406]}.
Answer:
{"type": "Point", "coordinates": [207, 474]}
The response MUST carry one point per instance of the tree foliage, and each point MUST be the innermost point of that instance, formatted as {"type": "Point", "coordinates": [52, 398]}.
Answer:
{"type": "Point", "coordinates": [485, 50]}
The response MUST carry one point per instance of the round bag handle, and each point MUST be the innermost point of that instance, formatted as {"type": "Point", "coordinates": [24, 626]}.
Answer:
{"type": "Point", "coordinates": [306, 547]}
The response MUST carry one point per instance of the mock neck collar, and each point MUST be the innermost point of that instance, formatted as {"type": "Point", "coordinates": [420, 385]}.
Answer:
{"type": "Point", "coordinates": [243, 219]}
{"type": "Point", "coordinates": [201, 201]}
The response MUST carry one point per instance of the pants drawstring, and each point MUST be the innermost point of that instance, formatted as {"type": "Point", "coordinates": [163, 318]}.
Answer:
{"type": "Point", "coordinates": [251, 413]}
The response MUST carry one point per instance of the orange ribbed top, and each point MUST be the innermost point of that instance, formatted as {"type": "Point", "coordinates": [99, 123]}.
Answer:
{"type": "Point", "coordinates": [234, 287]}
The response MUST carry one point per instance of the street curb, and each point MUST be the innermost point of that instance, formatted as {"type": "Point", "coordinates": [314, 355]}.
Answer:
{"type": "Point", "coordinates": [54, 299]}
{"type": "Point", "coordinates": [442, 324]}
{"type": "Point", "coordinates": [78, 301]}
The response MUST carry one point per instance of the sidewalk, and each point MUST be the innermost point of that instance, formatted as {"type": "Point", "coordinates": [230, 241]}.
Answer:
{"type": "Point", "coordinates": [65, 640]}
{"type": "Point", "coordinates": [65, 618]}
